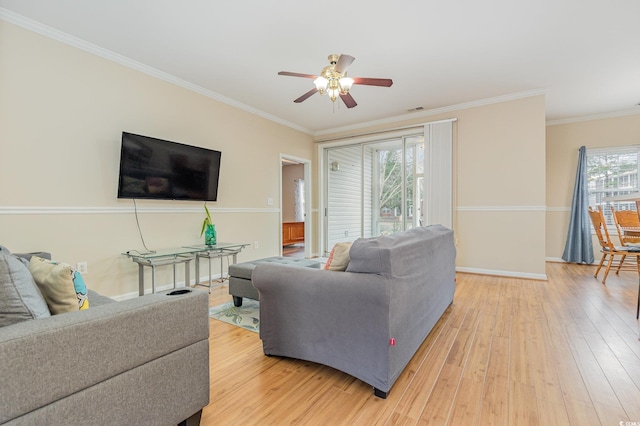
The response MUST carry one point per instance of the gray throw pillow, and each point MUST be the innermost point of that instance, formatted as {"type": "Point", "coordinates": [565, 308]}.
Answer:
{"type": "Point", "coordinates": [20, 298]}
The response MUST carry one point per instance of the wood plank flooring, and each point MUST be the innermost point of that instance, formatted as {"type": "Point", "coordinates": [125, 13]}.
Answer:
{"type": "Point", "coordinates": [507, 352]}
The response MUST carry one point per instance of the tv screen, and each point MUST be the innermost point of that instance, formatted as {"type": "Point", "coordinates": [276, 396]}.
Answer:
{"type": "Point", "coordinates": [163, 170]}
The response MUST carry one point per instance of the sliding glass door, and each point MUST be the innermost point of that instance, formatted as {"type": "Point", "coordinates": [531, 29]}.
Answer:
{"type": "Point", "coordinates": [373, 188]}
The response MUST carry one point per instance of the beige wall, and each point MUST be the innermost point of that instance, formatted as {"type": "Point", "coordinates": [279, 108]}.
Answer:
{"type": "Point", "coordinates": [62, 111]}
{"type": "Point", "coordinates": [563, 142]}
{"type": "Point", "coordinates": [499, 171]}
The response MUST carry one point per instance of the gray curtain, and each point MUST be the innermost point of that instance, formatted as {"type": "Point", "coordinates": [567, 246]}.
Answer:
{"type": "Point", "coordinates": [579, 248]}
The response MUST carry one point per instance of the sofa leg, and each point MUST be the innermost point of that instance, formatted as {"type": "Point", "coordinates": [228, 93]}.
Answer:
{"type": "Point", "coordinates": [237, 301]}
{"type": "Point", "coordinates": [193, 420]}
{"type": "Point", "coordinates": [380, 394]}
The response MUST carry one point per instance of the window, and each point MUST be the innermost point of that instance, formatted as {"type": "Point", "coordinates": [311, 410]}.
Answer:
{"type": "Point", "coordinates": [612, 172]}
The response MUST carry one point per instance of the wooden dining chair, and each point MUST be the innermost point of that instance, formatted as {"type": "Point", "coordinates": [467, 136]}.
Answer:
{"type": "Point", "coordinates": [628, 226]}
{"type": "Point", "coordinates": [610, 251]}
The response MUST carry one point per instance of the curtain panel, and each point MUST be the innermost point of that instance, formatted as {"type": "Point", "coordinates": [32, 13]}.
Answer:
{"type": "Point", "coordinates": [579, 247]}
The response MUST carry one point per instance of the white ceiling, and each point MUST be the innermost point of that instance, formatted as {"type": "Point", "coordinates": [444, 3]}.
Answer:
{"type": "Point", "coordinates": [583, 54]}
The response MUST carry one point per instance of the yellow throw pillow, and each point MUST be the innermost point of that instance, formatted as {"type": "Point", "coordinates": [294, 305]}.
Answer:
{"type": "Point", "coordinates": [62, 286]}
{"type": "Point", "coordinates": [339, 257]}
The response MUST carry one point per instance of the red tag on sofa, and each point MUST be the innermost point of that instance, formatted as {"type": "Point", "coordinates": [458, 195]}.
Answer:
{"type": "Point", "coordinates": [392, 341]}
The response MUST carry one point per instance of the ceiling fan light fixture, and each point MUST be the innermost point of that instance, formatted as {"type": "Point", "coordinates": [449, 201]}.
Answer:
{"type": "Point", "coordinates": [345, 84]}
{"type": "Point", "coordinates": [321, 84]}
{"type": "Point", "coordinates": [333, 93]}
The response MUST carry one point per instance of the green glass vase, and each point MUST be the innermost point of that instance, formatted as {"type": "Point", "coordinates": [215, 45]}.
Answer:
{"type": "Point", "coordinates": [210, 237]}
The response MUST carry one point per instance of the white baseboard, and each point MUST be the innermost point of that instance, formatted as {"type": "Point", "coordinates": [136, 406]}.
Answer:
{"type": "Point", "coordinates": [527, 275]}
{"type": "Point", "coordinates": [560, 260]}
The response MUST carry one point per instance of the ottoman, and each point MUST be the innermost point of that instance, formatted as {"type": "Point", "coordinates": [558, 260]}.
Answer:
{"type": "Point", "coordinates": [240, 275]}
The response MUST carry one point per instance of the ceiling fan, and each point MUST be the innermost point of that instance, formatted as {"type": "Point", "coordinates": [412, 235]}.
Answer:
{"type": "Point", "coordinates": [333, 80]}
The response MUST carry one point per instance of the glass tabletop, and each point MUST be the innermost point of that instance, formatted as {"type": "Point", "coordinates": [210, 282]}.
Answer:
{"type": "Point", "coordinates": [218, 246]}
{"type": "Point", "coordinates": [176, 251]}
{"type": "Point", "coordinates": [184, 250]}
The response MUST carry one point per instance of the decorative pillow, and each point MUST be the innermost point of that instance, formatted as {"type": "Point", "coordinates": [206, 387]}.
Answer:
{"type": "Point", "coordinates": [20, 299]}
{"type": "Point", "coordinates": [339, 257]}
{"type": "Point", "coordinates": [62, 286]}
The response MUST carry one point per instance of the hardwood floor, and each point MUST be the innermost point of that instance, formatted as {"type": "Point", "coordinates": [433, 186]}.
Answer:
{"type": "Point", "coordinates": [293, 250]}
{"type": "Point", "coordinates": [507, 352]}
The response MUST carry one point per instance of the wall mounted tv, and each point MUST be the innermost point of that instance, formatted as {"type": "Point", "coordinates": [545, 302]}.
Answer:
{"type": "Point", "coordinates": [163, 170]}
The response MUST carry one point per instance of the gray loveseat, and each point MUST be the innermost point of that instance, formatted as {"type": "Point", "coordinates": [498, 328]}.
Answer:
{"type": "Point", "coordinates": [143, 361]}
{"type": "Point", "coordinates": [368, 321]}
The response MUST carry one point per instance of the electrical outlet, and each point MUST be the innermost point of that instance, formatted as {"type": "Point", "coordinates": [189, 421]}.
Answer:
{"type": "Point", "coordinates": [82, 267]}
{"type": "Point", "coordinates": [255, 245]}
{"type": "Point", "coordinates": [269, 201]}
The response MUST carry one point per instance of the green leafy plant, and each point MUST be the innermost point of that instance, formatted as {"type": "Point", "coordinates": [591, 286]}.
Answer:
{"type": "Point", "coordinates": [207, 220]}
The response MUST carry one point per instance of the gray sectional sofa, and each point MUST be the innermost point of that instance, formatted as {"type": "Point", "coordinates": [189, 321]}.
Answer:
{"type": "Point", "coordinates": [368, 321]}
{"type": "Point", "coordinates": [143, 361]}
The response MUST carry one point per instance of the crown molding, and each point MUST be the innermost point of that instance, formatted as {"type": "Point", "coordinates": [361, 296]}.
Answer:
{"type": "Point", "coordinates": [434, 111]}
{"type": "Point", "coordinates": [612, 114]}
{"type": "Point", "coordinates": [70, 40]}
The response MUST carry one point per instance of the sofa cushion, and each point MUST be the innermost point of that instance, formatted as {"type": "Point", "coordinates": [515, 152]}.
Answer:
{"type": "Point", "coordinates": [245, 269]}
{"type": "Point", "coordinates": [397, 253]}
{"type": "Point", "coordinates": [62, 286]}
{"type": "Point", "coordinates": [20, 299]}
{"type": "Point", "coordinates": [339, 257]}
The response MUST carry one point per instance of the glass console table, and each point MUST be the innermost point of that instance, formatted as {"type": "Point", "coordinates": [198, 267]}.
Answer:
{"type": "Point", "coordinates": [186, 254]}
{"type": "Point", "coordinates": [218, 251]}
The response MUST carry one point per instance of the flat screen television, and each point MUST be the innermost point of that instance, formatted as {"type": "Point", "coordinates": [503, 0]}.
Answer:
{"type": "Point", "coordinates": [163, 170]}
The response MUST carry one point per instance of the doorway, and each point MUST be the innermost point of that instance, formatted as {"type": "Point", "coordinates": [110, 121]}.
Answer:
{"type": "Point", "coordinates": [295, 207]}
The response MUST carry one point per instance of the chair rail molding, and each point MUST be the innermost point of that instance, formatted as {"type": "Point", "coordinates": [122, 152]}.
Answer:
{"type": "Point", "coordinates": [54, 210]}
{"type": "Point", "coordinates": [500, 208]}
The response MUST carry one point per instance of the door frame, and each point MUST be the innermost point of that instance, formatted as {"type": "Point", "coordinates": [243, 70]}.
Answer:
{"type": "Point", "coordinates": [308, 228]}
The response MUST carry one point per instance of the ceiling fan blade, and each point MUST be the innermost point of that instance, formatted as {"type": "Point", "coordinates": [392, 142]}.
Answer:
{"type": "Point", "coordinates": [384, 82]}
{"type": "Point", "coordinates": [305, 96]}
{"type": "Point", "coordinates": [297, 74]}
{"type": "Point", "coordinates": [343, 63]}
{"type": "Point", "coordinates": [348, 100]}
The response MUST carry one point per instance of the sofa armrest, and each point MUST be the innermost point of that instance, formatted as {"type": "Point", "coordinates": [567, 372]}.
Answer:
{"type": "Point", "coordinates": [328, 317]}
{"type": "Point", "coordinates": [43, 361]}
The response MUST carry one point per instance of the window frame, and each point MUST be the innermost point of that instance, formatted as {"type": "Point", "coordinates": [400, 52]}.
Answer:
{"type": "Point", "coordinates": [599, 196]}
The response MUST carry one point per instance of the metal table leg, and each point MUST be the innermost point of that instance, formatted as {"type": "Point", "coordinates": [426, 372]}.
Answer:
{"type": "Point", "coordinates": [187, 280]}
{"type": "Point", "coordinates": [174, 275]}
{"type": "Point", "coordinates": [140, 280]}
{"type": "Point", "coordinates": [210, 279]}
{"type": "Point", "coordinates": [153, 278]}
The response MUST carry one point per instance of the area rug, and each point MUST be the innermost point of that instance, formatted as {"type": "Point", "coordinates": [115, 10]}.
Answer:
{"type": "Point", "coordinates": [246, 316]}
